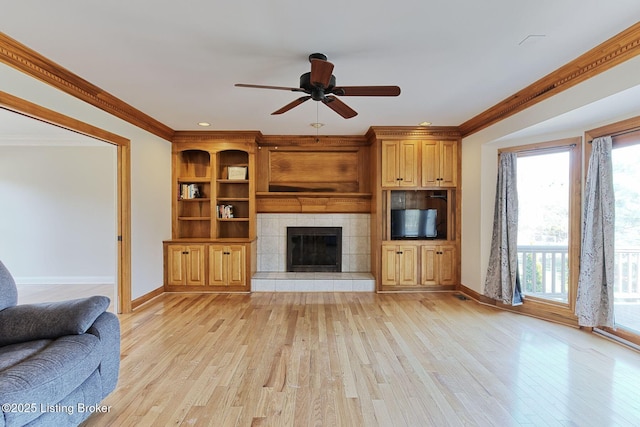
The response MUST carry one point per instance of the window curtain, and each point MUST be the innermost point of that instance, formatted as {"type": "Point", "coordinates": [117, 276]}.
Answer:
{"type": "Point", "coordinates": [594, 304]}
{"type": "Point", "coordinates": [502, 282]}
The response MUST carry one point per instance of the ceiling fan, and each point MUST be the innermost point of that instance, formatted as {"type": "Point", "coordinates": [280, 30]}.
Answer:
{"type": "Point", "coordinates": [320, 85]}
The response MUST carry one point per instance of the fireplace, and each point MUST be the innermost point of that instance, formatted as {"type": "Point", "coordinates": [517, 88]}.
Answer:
{"type": "Point", "coordinates": [314, 249]}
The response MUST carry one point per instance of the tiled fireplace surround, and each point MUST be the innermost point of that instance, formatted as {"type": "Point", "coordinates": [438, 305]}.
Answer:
{"type": "Point", "coordinates": [271, 273]}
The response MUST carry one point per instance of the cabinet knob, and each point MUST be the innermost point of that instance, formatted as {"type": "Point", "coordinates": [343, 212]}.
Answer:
{"type": "Point", "coordinates": [185, 253]}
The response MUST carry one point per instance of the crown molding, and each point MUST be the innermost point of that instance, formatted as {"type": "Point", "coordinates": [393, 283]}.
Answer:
{"type": "Point", "coordinates": [24, 59]}
{"type": "Point", "coordinates": [601, 58]}
{"type": "Point", "coordinates": [412, 132]}
{"type": "Point", "coordinates": [310, 140]}
{"type": "Point", "coordinates": [183, 136]}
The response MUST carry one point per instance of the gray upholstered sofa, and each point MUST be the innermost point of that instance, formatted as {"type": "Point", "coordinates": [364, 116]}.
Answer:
{"type": "Point", "coordinates": [57, 360]}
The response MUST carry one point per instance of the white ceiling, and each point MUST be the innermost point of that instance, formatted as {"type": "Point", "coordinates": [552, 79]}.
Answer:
{"type": "Point", "coordinates": [178, 61]}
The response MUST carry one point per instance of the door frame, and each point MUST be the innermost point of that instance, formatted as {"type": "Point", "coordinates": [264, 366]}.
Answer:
{"type": "Point", "coordinates": [123, 176]}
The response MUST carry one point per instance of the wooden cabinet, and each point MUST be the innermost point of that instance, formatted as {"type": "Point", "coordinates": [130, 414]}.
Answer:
{"type": "Point", "coordinates": [399, 265]}
{"type": "Point", "coordinates": [400, 163]}
{"type": "Point", "coordinates": [415, 219]}
{"type": "Point", "coordinates": [418, 264]}
{"type": "Point", "coordinates": [208, 266]}
{"type": "Point", "coordinates": [227, 265]}
{"type": "Point", "coordinates": [213, 210]}
{"type": "Point", "coordinates": [438, 265]}
{"type": "Point", "coordinates": [439, 163]}
{"type": "Point", "coordinates": [185, 265]}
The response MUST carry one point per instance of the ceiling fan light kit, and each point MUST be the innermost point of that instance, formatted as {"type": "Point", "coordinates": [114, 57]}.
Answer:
{"type": "Point", "coordinates": [320, 85]}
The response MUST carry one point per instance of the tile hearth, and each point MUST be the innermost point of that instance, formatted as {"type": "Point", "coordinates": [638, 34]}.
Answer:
{"type": "Point", "coordinates": [277, 281]}
{"type": "Point", "coordinates": [271, 263]}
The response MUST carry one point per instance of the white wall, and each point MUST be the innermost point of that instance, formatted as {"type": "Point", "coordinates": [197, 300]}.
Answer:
{"type": "Point", "coordinates": [585, 106]}
{"type": "Point", "coordinates": [58, 216]}
{"type": "Point", "coordinates": [150, 174]}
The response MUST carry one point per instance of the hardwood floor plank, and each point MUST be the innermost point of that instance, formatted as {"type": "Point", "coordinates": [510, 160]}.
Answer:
{"type": "Point", "coordinates": [324, 359]}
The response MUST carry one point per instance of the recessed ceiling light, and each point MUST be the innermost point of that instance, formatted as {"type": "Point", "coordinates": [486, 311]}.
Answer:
{"type": "Point", "coordinates": [424, 124]}
{"type": "Point", "coordinates": [316, 125]}
{"type": "Point", "coordinates": [204, 124]}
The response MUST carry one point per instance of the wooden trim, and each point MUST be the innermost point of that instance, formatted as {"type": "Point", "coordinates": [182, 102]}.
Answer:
{"type": "Point", "coordinates": [124, 228]}
{"type": "Point", "coordinates": [24, 59]}
{"type": "Point", "coordinates": [601, 58]}
{"type": "Point", "coordinates": [537, 309]}
{"type": "Point", "coordinates": [413, 132]}
{"type": "Point", "coordinates": [329, 141]}
{"type": "Point", "coordinates": [199, 136]}
{"type": "Point", "coordinates": [146, 297]}
{"type": "Point", "coordinates": [29, 109]}
{"type": "Point", "coordinates": [313, 203]}
{"type": "Point", "coordinates": [624, 334]}
{"type": "Point", "coordinates": [613, 129]}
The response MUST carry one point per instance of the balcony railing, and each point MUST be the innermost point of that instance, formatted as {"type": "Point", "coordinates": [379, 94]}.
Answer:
{"type": "Point", "coordinates": [544, 272]}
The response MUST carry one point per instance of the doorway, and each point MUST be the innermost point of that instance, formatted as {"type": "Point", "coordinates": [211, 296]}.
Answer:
{"type": "Point", "coordinates": [123, 211]}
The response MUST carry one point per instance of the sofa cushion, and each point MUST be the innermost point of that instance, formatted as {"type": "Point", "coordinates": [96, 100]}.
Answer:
{"type": "Point", "coordinates": [8, 290]}
{"type": "Point", "coordinates": [49, 375]}
{"type": "Point", "coordinates": [11, 355]}
{"type": "Point", "coordinates": [28, 322]}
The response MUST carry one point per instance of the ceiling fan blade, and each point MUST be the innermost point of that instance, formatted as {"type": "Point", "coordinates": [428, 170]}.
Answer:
{"type": "Point", "coordinates": [366, 90]}
{"type": "Point", "coordinates": [290, 105]}
{"type": "Point", "coordinates": [339, 107]}
{"type": "Point", "coordinates": [321, 72]}
{"type": "Point", "coordinates": [292, 89]}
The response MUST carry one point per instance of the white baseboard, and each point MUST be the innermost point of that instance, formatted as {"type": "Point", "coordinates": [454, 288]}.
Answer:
{"type": "Point", "coordinates": [61, 280]}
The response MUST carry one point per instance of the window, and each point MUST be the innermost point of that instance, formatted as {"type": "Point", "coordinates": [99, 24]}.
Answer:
{"type": "Point", "coordinates": [548, 176]}
{"type": "Point", "coordinates": [626, 185]}
{"type": "Point", "coordinates": [543, 224]}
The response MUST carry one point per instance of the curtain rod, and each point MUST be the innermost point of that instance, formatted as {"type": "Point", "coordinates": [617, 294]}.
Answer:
{"type": "Point", "coordinates": [615, 134]}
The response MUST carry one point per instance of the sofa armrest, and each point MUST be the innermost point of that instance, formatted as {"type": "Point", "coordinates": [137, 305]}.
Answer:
{"type": "Point", "coordinates": [107, 329]}
{"type": "Point", "coordinates": [29, 322]}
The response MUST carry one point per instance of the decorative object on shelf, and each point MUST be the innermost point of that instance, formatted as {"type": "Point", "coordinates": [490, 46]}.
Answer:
{"type": "Point", "coordinates": [237, 172]}
{"type": "Point", "coordinates": [190, 191]}
{"type": "Point", "coordinates": [225, 211]}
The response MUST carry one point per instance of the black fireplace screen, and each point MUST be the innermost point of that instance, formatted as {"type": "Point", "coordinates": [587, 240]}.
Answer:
{"type": "Point", "coordinates": [314, 248]}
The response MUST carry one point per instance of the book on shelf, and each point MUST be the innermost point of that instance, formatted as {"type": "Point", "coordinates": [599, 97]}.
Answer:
{"type": "Point", "coordinates": [225, 211]}
{"type": "Point", "coordinates": [190, 191]}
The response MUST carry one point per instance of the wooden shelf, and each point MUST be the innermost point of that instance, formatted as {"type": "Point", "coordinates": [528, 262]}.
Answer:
{"type": "Point", "coordinates": [196, 199]}
{"type": "Point", "coordinates": [232, 199]}
{"type": "Point", "coordinates": [194, 218]}
{"type": "Point", "coordinates": [194, 179]}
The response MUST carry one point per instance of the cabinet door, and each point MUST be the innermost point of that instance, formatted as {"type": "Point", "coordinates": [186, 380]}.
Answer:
{"type": "Point", "coordinates": [438, 265]}
{"type": "Point", "coordinates": [408, 266]}
{"type": "Point", "coordinates": [227, 265]}
{"type": "Point", "coordinates": [185, 265]}
{"type": "Point", "coordinates": [236, 265]}
{"type": "Point", "coordinates": [217, 269]}
{"type": "Point", "coordinates": [429, 266]}
{"type": "Point", "coordinates": [430, 163]}
{"type": "Point", "coordinates": [408, 164]}
{"type": "Point", "coordinates": [389, 265]}
{"type": "Point", "coordinates": [448, 163]}
{"type": "Point", "coordinates": [175, 265]}
{"type": "Point", "coordinates": [194, 262]}
{"type": "Point", "coordinates": [447, 265]}
{"type": "Point", "coordinates": [390, 173]}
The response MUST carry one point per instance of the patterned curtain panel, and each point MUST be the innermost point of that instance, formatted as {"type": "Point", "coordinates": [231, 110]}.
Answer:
{"type": "Point", "coordinates": [502, 282]}
{"type": "Point", "coordinates": [594, 304]}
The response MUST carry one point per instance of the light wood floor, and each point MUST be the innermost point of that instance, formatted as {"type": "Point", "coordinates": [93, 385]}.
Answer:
{"type": "Point", "coordinates": [363, 359]}
{"type": "Point", "coordinates": [30, 294]}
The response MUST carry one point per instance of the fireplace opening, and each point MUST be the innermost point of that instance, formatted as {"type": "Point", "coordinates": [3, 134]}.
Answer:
{"type": "Point", "coordinates": [314, 249]}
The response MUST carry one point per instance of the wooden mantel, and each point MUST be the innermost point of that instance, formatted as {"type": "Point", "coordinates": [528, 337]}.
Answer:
{"type": "Point", "coordinates": [307, 174]}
